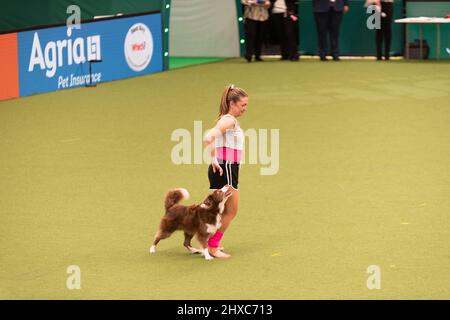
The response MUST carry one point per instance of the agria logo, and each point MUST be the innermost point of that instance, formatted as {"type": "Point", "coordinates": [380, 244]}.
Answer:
{"type": "Point", "coordinates": [138, 47]}
{"type": "Point", "coordinates": [56, 54]}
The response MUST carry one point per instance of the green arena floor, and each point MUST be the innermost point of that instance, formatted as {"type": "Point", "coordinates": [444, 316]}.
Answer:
{"type": "Point", "coordinates": [180, 62]}
{"type": "Point", "coordinates": [364, 179]}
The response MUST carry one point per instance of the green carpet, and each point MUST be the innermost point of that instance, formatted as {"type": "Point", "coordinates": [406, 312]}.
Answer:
{"type": "Point", "coordinates": [179, 62]}
{"type": "Point", "coordinates": [364, 179]}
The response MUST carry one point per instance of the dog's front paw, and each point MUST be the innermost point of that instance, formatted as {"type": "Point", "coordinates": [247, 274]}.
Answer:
{"type": "Point", "coordinates": [194, 250]}
{"type": "Point", "coordinates": [206, 254]}
{"type": "Point", "coordinates": [153, 249]}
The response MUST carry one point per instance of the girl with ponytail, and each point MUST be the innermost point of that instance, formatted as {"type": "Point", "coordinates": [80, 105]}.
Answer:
{"type": "Point", "coordinates": [225, 142]}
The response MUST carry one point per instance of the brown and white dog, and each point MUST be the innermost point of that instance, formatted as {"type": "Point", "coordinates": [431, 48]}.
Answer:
{"type": "Point", "coordinates": [201, 220]}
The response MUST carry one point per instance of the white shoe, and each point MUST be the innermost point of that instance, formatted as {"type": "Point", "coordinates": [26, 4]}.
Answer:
{"type": "Point", "coordinates": [220, 254]}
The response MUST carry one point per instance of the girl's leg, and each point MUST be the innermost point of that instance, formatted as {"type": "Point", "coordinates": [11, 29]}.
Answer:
{"type": "Point", "coordinates": [230, 211]}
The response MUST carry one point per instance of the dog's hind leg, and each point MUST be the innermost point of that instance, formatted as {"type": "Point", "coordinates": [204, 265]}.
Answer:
{"type": "Point", "coordinates": [187, 243]}
{"type": "Point", "coordinates": [158, 237]}
{"type": "Point", "coordinates": [203, 239]}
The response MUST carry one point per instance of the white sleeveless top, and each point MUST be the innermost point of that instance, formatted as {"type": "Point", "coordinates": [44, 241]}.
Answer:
{"type": "Point", "coordinates": [232, 138]}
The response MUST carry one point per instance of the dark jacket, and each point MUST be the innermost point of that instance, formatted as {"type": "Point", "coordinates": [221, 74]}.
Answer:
{"type": "Point", "coordinates": [324, 5]}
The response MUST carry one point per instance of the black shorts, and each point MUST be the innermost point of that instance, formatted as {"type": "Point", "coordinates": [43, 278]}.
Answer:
{"type": "Point", "coordinates": [229, 176]}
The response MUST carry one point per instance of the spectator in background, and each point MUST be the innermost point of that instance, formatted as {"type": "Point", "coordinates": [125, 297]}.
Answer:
{"type": "Point", "coordinates": [255, 13]}
{"type": "Point", "coordinates": [385, 33]}
{"type": "Point", "coordinates": [285, 21]}
{"type": "Point", "coordinates": [328, 16]}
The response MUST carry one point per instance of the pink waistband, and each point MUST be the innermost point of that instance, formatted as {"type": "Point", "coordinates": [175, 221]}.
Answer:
{"type": "Point", "coordinates": [228, 154]}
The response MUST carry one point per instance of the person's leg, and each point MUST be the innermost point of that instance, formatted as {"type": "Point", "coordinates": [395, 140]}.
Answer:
{"type": "Point", "coordinates": [250, 30]}
{"type": "Point", "coordinates": [335, 26]}
{"type": "Point", "coordinates": [388, 9]}
{"type": "Point", "coordinates": [379, 41]}
{"type": "Point", "coordinates": [229, 212]}
{"type": "Point", "coordinates": [259, 37]}
{"type": "Point", "coordinates": [321, 19]}
{"type": "Point", "coordinates": [383, 32]}
{"type": "Point", "coordinates": [285, 40]}
{"type": "Point", "coordinates": [277, 19]}
{"type": "Point", "coordinates": [291, 41]}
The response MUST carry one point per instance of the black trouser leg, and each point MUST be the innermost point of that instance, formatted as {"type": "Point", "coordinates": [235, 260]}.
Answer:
{"type": "Point", "coordinates": [278, 23]}
{"type": "Point", "coordinates": [277, 19]}
{"type": "Point", "coordinates": [386, 25]}
{"type": "Point", "coordinates": [250, 35]}
{"type": "Point", "coordinates": [259, 37]}
{"type": "Point", "coordinates": [291, 41]}
{"type": "Point", "coordinates": [321, 19]}
{"type": "Point", "coordinates": [379, 42]}
{"type": "Point", "coordinates": [335, 19]}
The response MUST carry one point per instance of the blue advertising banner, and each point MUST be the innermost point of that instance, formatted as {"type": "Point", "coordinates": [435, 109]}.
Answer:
{"type": "Point", "coordinates": [57, 58]}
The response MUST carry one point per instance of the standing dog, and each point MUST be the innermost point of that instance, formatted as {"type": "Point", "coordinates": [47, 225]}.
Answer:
{"type": "Point", "coordinates": [201, 220]}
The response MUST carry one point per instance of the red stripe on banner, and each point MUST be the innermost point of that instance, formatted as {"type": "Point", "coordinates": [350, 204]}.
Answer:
{"type": "Point", "coordinates": [9, 67]}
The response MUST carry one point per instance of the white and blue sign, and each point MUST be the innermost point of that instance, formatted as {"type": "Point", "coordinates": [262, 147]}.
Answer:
{"type": "Point", "coordinates": [58, 58]}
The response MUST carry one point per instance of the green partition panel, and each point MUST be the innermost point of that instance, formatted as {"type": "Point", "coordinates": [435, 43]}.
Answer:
{"type": "Point", "coordinates": [355, 37]}
{"type": "Point", "coordinates": [429, 31]}
{"type": "Point", "coordinates": [23, 14]}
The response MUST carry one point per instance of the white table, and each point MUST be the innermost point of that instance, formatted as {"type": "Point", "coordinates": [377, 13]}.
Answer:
{"type": "Point", "coordinates": [421, 21]}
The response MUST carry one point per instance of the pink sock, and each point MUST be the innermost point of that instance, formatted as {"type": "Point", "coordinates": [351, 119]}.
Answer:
{"type": "Point", "coordinates": [214, 241]}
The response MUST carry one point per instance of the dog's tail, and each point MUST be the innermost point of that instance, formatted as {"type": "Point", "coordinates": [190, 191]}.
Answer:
{"type": "Point", "coordinates": [174, 196]}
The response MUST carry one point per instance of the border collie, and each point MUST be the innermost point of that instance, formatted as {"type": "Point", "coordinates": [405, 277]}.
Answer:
{"type": "Point", "coordinates": [202, 220]}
